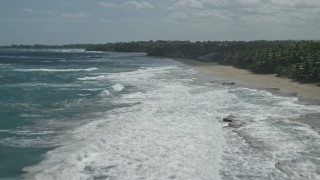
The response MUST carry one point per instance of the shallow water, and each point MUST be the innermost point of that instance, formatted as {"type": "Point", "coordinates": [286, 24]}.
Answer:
{"type": "Point", "coordinates": [127, 116]}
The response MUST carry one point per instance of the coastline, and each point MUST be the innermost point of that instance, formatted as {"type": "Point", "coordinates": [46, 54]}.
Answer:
{"type": "Point", "coordinates": [308, 94]}
{"type": "Point", "coordinates": [271, 82]}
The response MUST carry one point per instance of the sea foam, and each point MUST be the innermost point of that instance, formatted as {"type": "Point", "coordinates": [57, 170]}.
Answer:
{"type": "Point", "coordinates": [117, 87]}
{"type": "Point", "coordinates": [175, 131]}
{"type": "Point", "coordinates": [171, 133]}
{"type": "Point", "coordinates": [104, 93]}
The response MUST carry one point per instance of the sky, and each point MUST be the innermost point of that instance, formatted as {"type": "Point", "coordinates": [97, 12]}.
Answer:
{"type": "Point", "coordinates": [102, 21]}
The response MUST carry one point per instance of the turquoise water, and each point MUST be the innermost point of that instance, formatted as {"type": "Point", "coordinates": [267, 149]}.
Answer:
{"type": "Point", "coordinates": [41, 96]}
{"type": "Point", "coordinates": [66, 115]}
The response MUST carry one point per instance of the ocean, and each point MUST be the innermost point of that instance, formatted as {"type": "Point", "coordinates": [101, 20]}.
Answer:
{"type": "Point", "coordinates": [72, 114]}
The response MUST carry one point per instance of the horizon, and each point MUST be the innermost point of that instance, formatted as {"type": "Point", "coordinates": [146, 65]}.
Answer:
{"type": "Point", "coordinates": [108, 21]}
{"type": "Point", "coordinates": [8, 45]}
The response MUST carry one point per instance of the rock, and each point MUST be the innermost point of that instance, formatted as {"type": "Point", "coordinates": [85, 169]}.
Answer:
{"type": "Point", "coordinates": [213, 81]}
{"type": "Point", "coordinates": [229, 118]}
{"type": "Point", "coordinates": [228, 83]}
{"type": "Point", "coordinates": [272, 89]}
{"type": "Point", "coordinates": [233, 121]}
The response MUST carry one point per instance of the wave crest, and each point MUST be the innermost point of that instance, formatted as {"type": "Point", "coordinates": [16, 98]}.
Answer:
{"type": "Point", "coordinates": [55, 70]}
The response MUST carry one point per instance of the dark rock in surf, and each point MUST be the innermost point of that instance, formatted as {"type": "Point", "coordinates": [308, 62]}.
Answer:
{"type": "Point", "coordinates": [272, 89]}
{"type": "Point", "coordinates": [213, 82]}
{"type": "Point", "coordinates": [228, 83]}
{"type": "Point", "coordinates": [229, 118]}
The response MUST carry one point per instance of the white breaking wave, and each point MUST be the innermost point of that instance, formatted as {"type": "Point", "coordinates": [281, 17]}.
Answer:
{"type": "Point", "coordinates": [83, 95]}
{"type": "Point", "coordinates": [170, 134]}
{"type": "Point", "coordinates": [135, 76]}
{"type": "Point", "coordinates": [32, 57]}
{"type": "Point", "coordinates": [141, 75]}
{"type": "Point", "coordinates": [55, 70]}
{"type": "Point", "coordinates": [68, 50]}
{"type": "Point", "coordinates": [117, 87]}
{"type": "Point", "coordinates": [54, 50]}
{"type": "Point", "coordinates": [94, 78]}
{"type": "Point", "coordinates": [104, 93]}
{"type": "Point", "coordinates": [23, 139]}
{"type": "Point", "coordinates": [4, 130]}
{"type": "Point", "coordinates": [30, 115]}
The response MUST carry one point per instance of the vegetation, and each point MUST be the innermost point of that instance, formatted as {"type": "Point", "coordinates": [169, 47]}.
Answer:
{"type": "Point", "coordinates": [298, 60]}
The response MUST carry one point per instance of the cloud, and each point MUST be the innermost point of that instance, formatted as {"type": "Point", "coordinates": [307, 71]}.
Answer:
{"type": "Point", "coordinates": [129, 5]}
{"type": "Point", "coordinates": [107, 4]}
{"type": "Point", "coordinates": [64, 3]}
{"type": "Point", "coordinates": [107, 21]}
{"type": "Point", "coordinates": [31, 11]}
{"type": "Point", "coordinates": [75, 15]}
{"type": "Point", "coordinates": [138, 5]}
{"type": "Point", "coordinates": [245, 11]}
{"type": "Point", "coordinates": [28, 10]}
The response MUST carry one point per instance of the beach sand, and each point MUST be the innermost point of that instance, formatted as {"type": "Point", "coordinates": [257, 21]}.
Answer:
{"type": "Point", "coordinates": [307, 93]}
{"type": "Point", "coordinates": [246, 77]}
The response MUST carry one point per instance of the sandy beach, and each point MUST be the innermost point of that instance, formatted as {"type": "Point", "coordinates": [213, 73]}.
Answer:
{"type": "Point", "coordinates": [244, 76]}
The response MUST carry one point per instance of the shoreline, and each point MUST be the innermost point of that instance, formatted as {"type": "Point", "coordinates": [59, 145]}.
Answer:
{"type": "Point", "coordinates": [265, 81]}
{"type": "Point", "coordinates": [308, 94]}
